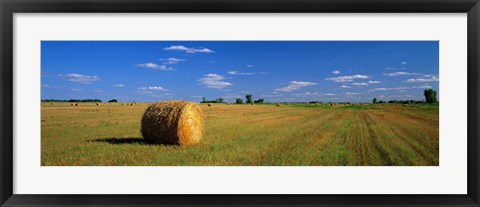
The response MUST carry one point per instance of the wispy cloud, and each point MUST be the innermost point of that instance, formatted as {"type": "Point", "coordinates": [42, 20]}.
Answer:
{"type": "Point", "coordinates": [423, 87]}
{"type": "Point", "coordinates": [271, 95]}
{"type": "Point", "coordinates": [189, 49]}
{"type": "Point", "coordinates": [249, 66]}
{"type": "Point", "coordinates": [350, 93]}
{"type": "Point", "coordinates": [79, 78]}
{"type": "Point", "coordinates": [309, 94]}
{"type": "Point", "coordinates": [153, 88]}
{"type": "Point", "coordinates": [404, 63]}
{"type": "Point", "coordinates": [46, 85]}
{"type": "Point", "coordinates": [234, 72]}
{"type": "Point", "coordinates": [77, 90]}
{"type": "Point", "coordinates": [360, 84]}
{"type": "Point", "coordinates": [373, 82]}
{"type": "Point", "coordinates": [336, 72]}
{"type": "Point", "coordinates": [350, 78]}
{"type": "Point", "coordinates": [295, 85]}
{"type": "Point", "coordinates": [345, 86]}
{"type": "Point", "coordinates": [390, 89]}
{"type": "Point", "coordinates": [154, 66]}
{"type": "Point", "coordinates": [214, 81]}
{"type": "Point", "coordinates": [422, 80]}
{"type": "Point", "coordinates": [172, 60]}
{"type": "Point", "coordinates": [400, 73]}
{"type": "Point", "coordinates": [119, 85]}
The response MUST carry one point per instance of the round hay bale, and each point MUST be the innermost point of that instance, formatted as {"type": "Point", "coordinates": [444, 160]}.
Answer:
{"type": "Point", "coordinates": [209, 104]}
{"type": "Point", "coordinates": [53, 103]}
{"type": "Point", "coordinates": [76, 104]}
{"type": "Point", "coordinates": [98, 104]}
{"type": "Point", "coordinates": [172, 122]}
{"type": "Point", "coordinates": [278, 104]}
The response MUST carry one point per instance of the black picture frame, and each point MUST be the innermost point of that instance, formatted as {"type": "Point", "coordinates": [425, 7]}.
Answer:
{"type": "Point", "coordinates": [9, 7]}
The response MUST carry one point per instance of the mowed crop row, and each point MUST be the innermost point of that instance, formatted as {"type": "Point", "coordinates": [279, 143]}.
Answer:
{"type": "Point", "coordinates": [239, 135]}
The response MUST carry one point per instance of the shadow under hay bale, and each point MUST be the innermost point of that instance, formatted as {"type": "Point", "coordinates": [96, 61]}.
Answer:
{"type": "Point", "coordinates": [172, 122]}
{"type": "Point", "coordinates": [120, 140]}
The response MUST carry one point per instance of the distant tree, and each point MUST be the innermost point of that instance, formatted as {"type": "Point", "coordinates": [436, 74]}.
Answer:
{"type": "Point", "coordinates": [249, 98]}
{"type": "Point", "coordinates": [113, 100]}
{"type": "Point", "coordinates": [374, 100]}
{"type": "Point", "coordinates": [430, 95]}
{"type": "Point", "coordinates": [204, 99]}
{"type": "Point", "coordinates": [220, 100]}
{"type": "Point", "coordinates": [261, 100]}
{"type": "Point", "coordinates": [238, 101]}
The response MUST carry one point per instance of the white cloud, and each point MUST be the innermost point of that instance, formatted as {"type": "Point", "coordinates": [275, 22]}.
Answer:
{"type": "Point", "coordinates": [234, 72]}
{"type": "Point", "coordinates": [360, 84]}
{"type": "Point", "coordinates": [422, 80]}
{"type": "Point", "coordinates": [399, 73]}
{"type": "Point", "coordinates": [250, 66]}
{"type": "Point", "coordinates": [271, 95]}
{"type": "Point", "coordinates": [171, 61]}
{"type": "Point", "coordinates": [336, 72]}
{"type": "Point", "coordinates": [79, 78]}
{"type": "Point", "coordinates": [98, 91]}
{"type": "Point", "coordinates": [344, 86]}
{"type": "Point", "coordinates": [350, 78]}
{"type": "Point", "coordinates": [154, 66]}
{"type": "Point", "coordinates": [350, 93]}
{"type": "Point", "coordinates": [390, 89]}
{"type": "Point", "coordinates": [188, 49]}
{"type": "Point", "coordinates": [46, 86]}
{"type": "Point", "coordinates": [119, 85]}
{"type": "Point", "coordinates": [424, 87]}
{"type": "Point", "coordinates": [295, 85]}
{"type": "Point", "coordinates": [153, 88]}
{"type": "Point", "coordinates": [214, 81]}
{"type": "Point", "coordinates": [77, 90]}
{"type": "Point", "coordinates": [403, 63]}
{"type": "Point", "coordinates": [156, 88]}
{"type": "Point", "coordinates": [373, 82]}
{"type": "Point", "coordinates": [244, 91]}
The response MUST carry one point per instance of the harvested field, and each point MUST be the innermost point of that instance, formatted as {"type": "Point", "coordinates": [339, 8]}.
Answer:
{"type": "Point", "coordinates": [239, 135]}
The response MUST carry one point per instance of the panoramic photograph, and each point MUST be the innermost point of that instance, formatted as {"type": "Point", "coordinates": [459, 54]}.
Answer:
{"type": "Point", "coordinates": [240, 103]}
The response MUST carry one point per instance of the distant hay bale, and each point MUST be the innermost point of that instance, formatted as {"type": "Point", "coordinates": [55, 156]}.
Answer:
{"type": "Point", "coordinates": [172, 122]}
{"type": "Point", "coordinates": [71, 104]}
{"type": "Point", "coordinates": [52, 103]}
{"type": "Point", "coordinates": [278, 104]}
{"type": "Point", "coordinates": [209, 104]}
{"type": "Point", "coordinates": [98, 104]}
{"type": "Point", "coordinates": [76, 104]}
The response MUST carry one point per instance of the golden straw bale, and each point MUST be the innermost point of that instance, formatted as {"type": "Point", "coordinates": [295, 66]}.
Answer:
{"type": "Point", "coordinates": [172, 122]}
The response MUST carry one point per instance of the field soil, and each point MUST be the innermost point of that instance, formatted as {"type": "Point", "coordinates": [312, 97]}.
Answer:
{"type": "Point", "coordinates": [239, 135]}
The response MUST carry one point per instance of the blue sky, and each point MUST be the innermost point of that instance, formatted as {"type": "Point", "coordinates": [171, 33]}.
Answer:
{"type": "Point", "coordinates": [277, 71]}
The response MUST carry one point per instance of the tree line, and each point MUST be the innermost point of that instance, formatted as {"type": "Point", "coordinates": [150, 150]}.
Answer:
{"type": "Point", "coordinates": [77, 100]}
{"type": "Point", "coordinates": [248, 100]}
{"type": "Point", "coordinates": [430, 97]}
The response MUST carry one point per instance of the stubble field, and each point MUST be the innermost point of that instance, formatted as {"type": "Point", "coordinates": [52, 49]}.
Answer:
{"type": "Point", "coordinates": [239, 135]}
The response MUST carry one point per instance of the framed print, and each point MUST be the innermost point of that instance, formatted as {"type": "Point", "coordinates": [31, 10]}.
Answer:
{"type": "Point", "coordinates": [194, 103]}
